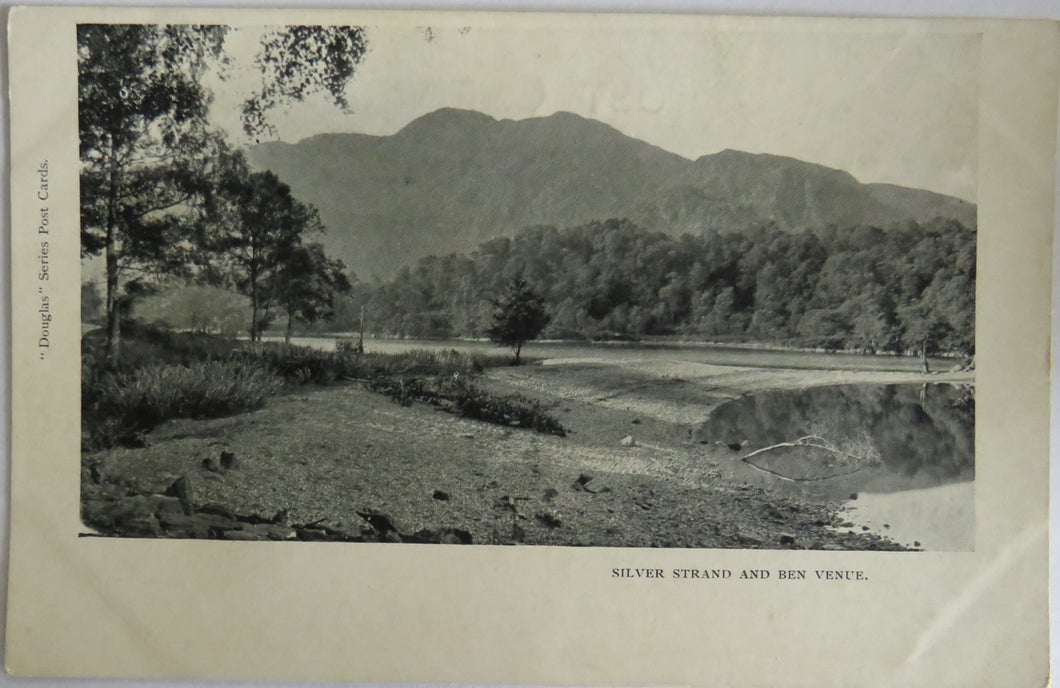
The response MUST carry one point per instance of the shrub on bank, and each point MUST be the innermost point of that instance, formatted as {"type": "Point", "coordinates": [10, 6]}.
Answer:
{"type": "Point", "coordinates": [463, 398]}
{"type": "Point", "coordinates": [298, 364]}
{"type": "Point", "coordinates": [509, 409]}
{"type": "Point", "coordinates": [447, 362]}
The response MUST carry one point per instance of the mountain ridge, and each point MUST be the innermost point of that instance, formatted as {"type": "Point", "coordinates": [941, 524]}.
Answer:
{"type": "Point", "coordinates": [453, 178]}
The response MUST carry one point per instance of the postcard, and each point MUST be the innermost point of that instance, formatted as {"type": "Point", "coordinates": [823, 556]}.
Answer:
{"type": "Point", "coordinates": [528, 348]}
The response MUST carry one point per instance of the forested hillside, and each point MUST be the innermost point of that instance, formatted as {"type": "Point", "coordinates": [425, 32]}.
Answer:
{"type": "Point", "coordinates": [865, 288]}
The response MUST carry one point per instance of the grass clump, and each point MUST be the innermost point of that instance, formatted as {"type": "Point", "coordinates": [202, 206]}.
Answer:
{"type": "Point", "coordinates": [163, 374]}
{"type": "Point", "coordinates": [118, 406]}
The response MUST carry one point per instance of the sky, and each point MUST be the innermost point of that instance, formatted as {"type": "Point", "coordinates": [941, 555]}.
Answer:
{"type": "Point", "coordinates": [887, 106]}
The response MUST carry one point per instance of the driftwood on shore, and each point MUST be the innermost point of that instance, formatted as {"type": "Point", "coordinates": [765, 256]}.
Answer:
{"type": "Point", "coordinates": [867, 457]}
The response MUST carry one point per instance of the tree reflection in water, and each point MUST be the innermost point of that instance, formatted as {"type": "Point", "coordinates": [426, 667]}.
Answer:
{"type": "Point", "coordinates": [865, 437]}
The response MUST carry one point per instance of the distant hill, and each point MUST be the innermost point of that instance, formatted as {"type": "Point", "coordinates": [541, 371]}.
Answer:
{"type": "Point", "coordinates": [454, 178]}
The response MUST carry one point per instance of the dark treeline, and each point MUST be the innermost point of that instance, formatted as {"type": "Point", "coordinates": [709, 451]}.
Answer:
{"type": "Point", "coordinates": [899, 289]}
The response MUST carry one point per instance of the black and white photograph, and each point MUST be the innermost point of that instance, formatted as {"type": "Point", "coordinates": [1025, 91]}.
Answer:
{"type": "Point", "coordinates": [519, 286]}
{"type": "Point", "coordinates": [530, 348]}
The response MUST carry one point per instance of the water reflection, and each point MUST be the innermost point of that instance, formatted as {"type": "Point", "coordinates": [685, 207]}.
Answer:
{"type": "Point", "coordinates": [849, 438]}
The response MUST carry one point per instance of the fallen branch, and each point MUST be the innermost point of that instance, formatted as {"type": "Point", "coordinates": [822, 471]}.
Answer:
{"type": "Point", "coordinates": [798, 480]}
{"type": "Point", "coordinates": [821, 443]}
{"type": "Point", "coordinates": [815, 442]}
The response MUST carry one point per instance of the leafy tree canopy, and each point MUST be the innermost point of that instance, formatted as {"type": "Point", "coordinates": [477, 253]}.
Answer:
{"type": "Point", "coordinates": [147, 150]}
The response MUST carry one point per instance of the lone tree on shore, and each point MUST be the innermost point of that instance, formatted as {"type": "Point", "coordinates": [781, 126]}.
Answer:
{"type": "Point", "coordinates": [519, 317]}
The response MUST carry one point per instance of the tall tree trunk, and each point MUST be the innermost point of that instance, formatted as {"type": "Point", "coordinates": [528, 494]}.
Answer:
{"type": "Point", "coordinates": [254, 313]}
{"type": "Point", "coordinates": [518, 350]}
{"type": "Point", "coordinates": [111, 253]}
{"type": "Point", "coordinates": [923, 355]}
{"type": "Point", "coordinates": [360, 336]}
{"type": "Point", "coordinates": [290, 319]}
{"type": "Point", "coordinates": [113, 316]}
{"type": "Point", "coordinates": [254, 336]}
{"type": "Point", "coordinates": [255, 298]}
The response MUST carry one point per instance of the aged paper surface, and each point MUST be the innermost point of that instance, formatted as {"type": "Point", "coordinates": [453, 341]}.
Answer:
{"type": "Point", "coordinates": [558, 615]}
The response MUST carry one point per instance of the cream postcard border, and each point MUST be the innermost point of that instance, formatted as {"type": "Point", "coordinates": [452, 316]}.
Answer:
{"type": "Point", "coordinates": [494, 615]}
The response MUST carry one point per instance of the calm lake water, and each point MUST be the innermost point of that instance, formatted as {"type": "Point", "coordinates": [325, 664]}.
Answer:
{"type": "Point", "coordinates": [895, 455]}
{"type": "Point", "coordinates": [699, 353]}
{"type": "Point", "coordinates": [861, 438]}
